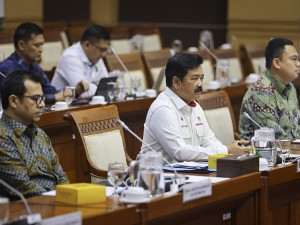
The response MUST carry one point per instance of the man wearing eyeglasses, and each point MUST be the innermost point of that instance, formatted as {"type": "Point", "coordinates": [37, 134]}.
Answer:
{"type": "Point", "coordinates": [28, 42]}
{"type": "Point", "coordinates": [27, 159]}
{"type": "Point", "coordinates": [84, 61]}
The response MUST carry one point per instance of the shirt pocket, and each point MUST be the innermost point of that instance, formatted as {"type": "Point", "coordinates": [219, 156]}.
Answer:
{"type": "Point", "coordinates": [200, 130]}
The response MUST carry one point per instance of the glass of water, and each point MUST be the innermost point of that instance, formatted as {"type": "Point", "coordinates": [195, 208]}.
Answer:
{"type": "Point", "coordinates": [116, 174]}
{"type": "Point", "coordinates": [283, 149]}
{"type": "Point", "coordinates": [69, 94]}
{"type": "Point", "coordinates": [4, 210]}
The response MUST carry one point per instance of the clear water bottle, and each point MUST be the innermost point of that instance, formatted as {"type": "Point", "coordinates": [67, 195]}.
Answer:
{"type": "Point", "coordinates": [263, 145]}
{"type": "Point", "coordinates": [222, 72]}
{"type": "Point", "coordinates": [121, 86]}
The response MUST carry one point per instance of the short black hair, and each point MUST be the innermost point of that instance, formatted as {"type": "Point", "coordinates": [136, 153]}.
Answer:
{"type": "Point", "coordinates": [13, 84]}
{"type": "Point", "coordinates": [275, 49]}
{"type": "Point", "coordinates": [180, 64]}
{"type": "Point", "coordinates": [25, 31]}
{"type": "Point", "coordinates": [95, 33]}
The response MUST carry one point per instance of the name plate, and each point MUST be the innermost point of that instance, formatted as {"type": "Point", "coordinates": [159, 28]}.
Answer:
{"type": "Point", "coordinates": [197, 190]}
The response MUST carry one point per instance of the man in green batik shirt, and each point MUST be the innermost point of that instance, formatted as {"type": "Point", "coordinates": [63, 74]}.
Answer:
{"type": "Point", "coordinates": [272, 101]}
{"type": "Point", "coordinates": [27, 159]}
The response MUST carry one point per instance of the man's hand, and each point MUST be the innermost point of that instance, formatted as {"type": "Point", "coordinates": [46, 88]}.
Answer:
{"type": "Point", "coordinates": [81, 86]}
{"type": "Point", "coordinates": [239, 147]}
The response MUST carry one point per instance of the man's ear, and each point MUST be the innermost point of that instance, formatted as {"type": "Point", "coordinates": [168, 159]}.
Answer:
{"type": "Point", "coordinates": [13, 101]}
{"type": "Point", "coordinates": [176, 82]}
{"type": "Point", "coordinates": [21, 45]}
{"type": "Point", "coordinates": [276, 63]}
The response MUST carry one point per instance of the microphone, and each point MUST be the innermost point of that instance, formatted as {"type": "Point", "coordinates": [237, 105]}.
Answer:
{"type": "Point", "coordinates": [118, 58]}
{"type": "Point", "coordinates": [174, 187]}
{"type": "Point", "coordinates": [29, 218]}
{"type": "Point", "coordinates": [123, 66]}
{"type": "Point", "coordinates": [249, 117]}
{"type": "Point", "coordinates": [2, 75]}
{"type": "Point", "coordinates": [209, 51]}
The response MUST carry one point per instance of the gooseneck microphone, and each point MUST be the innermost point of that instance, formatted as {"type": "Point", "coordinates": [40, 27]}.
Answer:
{"type": "Point", "coordinates": [122, 124]}
{"type": "Point", "coordinates": [118, 58]}
{"type": "Point", "coordinates": [23, 220]}
{"type": "Point", "coordinates": [249, 117]}
{"type": "Point", "coordinates": [209, 51]}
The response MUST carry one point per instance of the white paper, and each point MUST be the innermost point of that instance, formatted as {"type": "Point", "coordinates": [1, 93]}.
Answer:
{"type": "Point", "coordinates": [74, 218]}
{"type": "Point", "coordinates": [50, 193]}
{"type": "Point", "coordinates": [213, 180]}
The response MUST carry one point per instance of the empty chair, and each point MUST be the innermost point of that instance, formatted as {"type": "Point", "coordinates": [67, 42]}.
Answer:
{"type": "Point", "coordinates": [232, 57]}
{"type": "Point", "coordinates": [253, 58]}
{"type": "Point", "coordinates": [155, 62]}
{"type": "Point", "coordinates": [6, 44]}
{"type": "Point", "coordinates": [100, 141]}
{"type": "Point", "coordinates": [134, 63]}
{"type": "Point", "coordinates": [52, 48]}
{"type": "Point", "coordinates": [151, 36]}
{"type": "Point", "coordinates": [120, 38]}
{"type": "Point", "coordinates": [218, 112]}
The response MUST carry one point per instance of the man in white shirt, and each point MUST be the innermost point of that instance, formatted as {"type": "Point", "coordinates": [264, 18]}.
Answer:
{"type": "Point", "coordinates": [84, 61]}
{"type": "Point", "coordinates": [175, 123]}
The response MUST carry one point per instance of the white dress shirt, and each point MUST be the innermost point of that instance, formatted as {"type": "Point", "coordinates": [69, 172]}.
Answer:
{"type": "Point", "coordinates": [179, 131]}
{"type": "Point", "coordinates": [74, 66]}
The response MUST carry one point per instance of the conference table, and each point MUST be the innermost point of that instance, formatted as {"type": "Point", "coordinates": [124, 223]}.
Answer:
{"type": "Point", "coordinates": [258, 198]}
{"type": "Point", "coordinates": [106, 213]}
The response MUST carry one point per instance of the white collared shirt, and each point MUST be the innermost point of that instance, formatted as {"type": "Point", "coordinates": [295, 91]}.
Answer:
{"type": "Point", "coordinates": [74, 66]}
{"type": "Point", "coordinates": [179, 131]}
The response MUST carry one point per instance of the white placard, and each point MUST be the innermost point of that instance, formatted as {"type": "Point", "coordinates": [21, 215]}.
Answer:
{"type": "Point", "coordinates": [197, 190]}
{"type": "Point", "coordinates": [298, 165]}
{"type": "Point", "coordinates": [74, 218]}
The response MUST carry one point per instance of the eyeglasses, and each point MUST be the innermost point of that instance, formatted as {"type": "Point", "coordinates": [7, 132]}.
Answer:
{"type": "Point", "coordinates": [37, 98]}
{"type": "Point", "coordinates": [99, 48]}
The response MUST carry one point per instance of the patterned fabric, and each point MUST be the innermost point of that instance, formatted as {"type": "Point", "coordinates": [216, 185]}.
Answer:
{"type": "Point", "coordinates": [27, 159]}
{"type": "Point", "coordinates": [271, 104]}
{"type": "Point", "coordinates": [15, 62]}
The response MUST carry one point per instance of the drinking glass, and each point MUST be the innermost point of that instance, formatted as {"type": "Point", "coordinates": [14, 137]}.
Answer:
{"type": "Point", "coordinates": [4, 210]}
{"type": "Point", "coordinates": [116, 174]}
{"type": "Point", "coordinates": [136, 84]}
{"type": "Point", "coordinates": [69, 94]}
{"type": "Point", "coordinates": [283, 149]}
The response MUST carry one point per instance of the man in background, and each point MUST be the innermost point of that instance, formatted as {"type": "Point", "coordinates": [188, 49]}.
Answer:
{"type": "Point", "coordinates": [84, 61]}
{"type": "Point", "coordinates": [28, 42]}
{"type": "Point", "coordinates": [175, 124]}
{"type": "Point", "coordinates": [27, 159]}
{"type": "Point", "coordinates": [272, 101]}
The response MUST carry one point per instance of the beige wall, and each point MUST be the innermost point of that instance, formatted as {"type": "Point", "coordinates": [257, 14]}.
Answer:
{"type": "Point", "coordinates": [104, 12]}
{"type": "Point", "coordinates": [17, 11]}
{"type": "Point", "coordinates": [257, 21]}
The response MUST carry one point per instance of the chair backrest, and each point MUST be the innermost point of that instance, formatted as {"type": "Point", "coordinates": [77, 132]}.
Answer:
{"type": "Point", "coordinates": [52, 48]}
{"type": "Point", "coordinates": [152, 38]}
{"type": "Point", "coordinates": [155, 62]}
{"type": "Point", "coordinates": [207, 67]}
{"type": "Point", "coordinates": [100, 140]}
{"type": "Point", "coordinates": [235, 67]}
{"type": "Point", "coordinates": [134, 63]}
{"type": "Point", "coordinates": [253, 57]}
{"type": "Point", "coordinates": [219, 114]}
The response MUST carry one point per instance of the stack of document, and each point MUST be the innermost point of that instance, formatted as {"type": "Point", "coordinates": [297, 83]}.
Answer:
{"type": "Point", "coordinates": [190, 167]}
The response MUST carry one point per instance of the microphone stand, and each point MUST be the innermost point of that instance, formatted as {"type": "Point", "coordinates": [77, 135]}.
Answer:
{"type": "Point", "coordinates": [123, 66]}
{"type": "Point", "coordinates": [175, 187]}
{"type": "Point", "coordinates": [23, 220]}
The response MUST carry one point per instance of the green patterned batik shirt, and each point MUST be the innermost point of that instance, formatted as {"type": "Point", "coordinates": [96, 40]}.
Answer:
{"type": "Point", "coordinates": [27, 159]}
{"type": "Point", "coordinates": [271, 104]}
